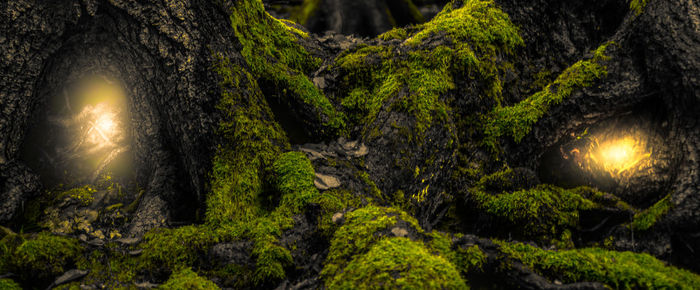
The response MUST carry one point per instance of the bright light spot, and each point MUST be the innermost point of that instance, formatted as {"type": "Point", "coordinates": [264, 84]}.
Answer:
{"type": "Point", "coordinates": [105, 123]}
{"type": "Point", "coordinates": [103, 127]}
{"type": "Point", "coordinates": [617, 155]}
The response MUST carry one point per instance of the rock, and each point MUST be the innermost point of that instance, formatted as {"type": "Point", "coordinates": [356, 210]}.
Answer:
{"type": "Point", "coordinates": [360, 151]}
{"type": "Point", "coordinates": [312, 154]}
{"type": "Point", "coordinates": [128, 241]}
{"type": "Point", "coordinates": [320, 82]}
{"type": "Point", "coordinates": [325, 182]}
{"type": "Point", "coordinates": [136, 252]}
{"type": "Point", "coordinates": [96, 242]}
{"type": "Point", "coordinates": [146, 285]}
{"type": "Point", "coordinates": [399, 232]}
{"type": "Point", "coordinates": [70, 276]}
{"type": "Point", "coordinates": [338, 218]}
{"type": "Point", "coordinates": [352, 149]}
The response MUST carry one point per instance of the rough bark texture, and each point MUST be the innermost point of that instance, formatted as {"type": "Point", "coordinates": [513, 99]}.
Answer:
{"type": "Point", "coordinates": [405, 149]}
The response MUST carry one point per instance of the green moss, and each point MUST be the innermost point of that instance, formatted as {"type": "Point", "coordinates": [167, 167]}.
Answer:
{"type": "Point", "coordinates": [417, 75]}
{"type": "Point", "coordinates": [82, 195]}
{"type": "Point", "coordinates": [235, 276]}
{"type": "Point", "coordinates": [399, 33]}
{"type": "Point", "coordinates": [543, 212]}
{"type": "Point", "coordinates": [294, 179]}
{"type": "Point", "coordinates": [373, 192]}
{"type": "Point", "coordinates": [361, 229]}
{"type": "Point", "coordinates": [646, 219]}
{"type": "Point", "coordinates": [638, 6]}
{"type": "Point", "coordinates": [465, 259]}
{"type": "Point", "coordinates": [8, 284]}
{"type": "Point", "coordinates": [183, 246]}
{"type": "Point", "coordinates": [398, 263]}
{"type": "Point", "coordinates": [187, 279]}
{"type": "Point", "coordinates": [470, 259]}
{"type": "Point", "coordinates": [42, 255]}
{"type": "Point", "coordinates": [616, 269]}
{"type": "Point", "coordinates": [271, 50]}
{"type": "Point", "coordinates": [271, 258]}
{"type": "Point", "coordinates": [110, 267]}
{"type": "Point", "coordinates": [247, 167]}
{"type": "Point", "coordinates": [517, 120]}
{"type": "Point", "coordinates": [554, 202]}
{"type": "Point", "coordinates": [331, 202]}
{"type": "Point", "coordinates": [251, 142]}
{"type": "Point", "coordinates": [176, 248]}
{"type": "Point", "coordinates": [479, 22]}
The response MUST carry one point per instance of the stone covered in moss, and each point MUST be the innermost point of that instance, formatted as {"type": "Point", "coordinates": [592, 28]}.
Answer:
{"type": "Point", "coordinates": [394, 263]}
{"type": "Point", "coordinates": [294, 180]}
{"type": "Point", "coordinates": [625, 270]}
{"type": "Point", "coordinates": [542, 212]}
{"type": "Point", "coordinates": [42, 255]}
{"type": "Point", "coordinates": [644, 220]}
{"type": "Point", "coordinates": [176, 248]}
{"type": "Point", "coordinates": [363, 228]}
{"type": "Point", "coordinates": [417, 74]}
{"type": "Point", "coordinates": [9, 284]}
{"type": "Point", "coordinates": [272, 53]}
{"type": "Point", "coordinates": [187, 279]}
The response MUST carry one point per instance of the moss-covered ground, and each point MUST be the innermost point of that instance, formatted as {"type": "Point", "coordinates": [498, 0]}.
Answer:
{"type": "Point", "coordinates": [258, 185]}
{"type": "Point", "coordinates": [620, 270]}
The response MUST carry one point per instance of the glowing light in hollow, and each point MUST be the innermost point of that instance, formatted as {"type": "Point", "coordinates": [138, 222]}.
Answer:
{"type": "Point", "coordinates": [618, 155]}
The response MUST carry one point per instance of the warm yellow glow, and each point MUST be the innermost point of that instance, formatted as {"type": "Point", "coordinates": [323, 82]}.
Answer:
{"type": "Point", "coordinates": [617, 155]}
{"type": "Point", "coordinates": [103, 127]}
{"type": "Point", "coordinates": [105, 124]}
{"type": "Point", "coordinates": [102, 101]}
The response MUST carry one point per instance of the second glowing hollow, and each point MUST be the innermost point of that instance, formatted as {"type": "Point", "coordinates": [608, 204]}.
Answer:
{"type": "Point", "coordinates": [617, 155]}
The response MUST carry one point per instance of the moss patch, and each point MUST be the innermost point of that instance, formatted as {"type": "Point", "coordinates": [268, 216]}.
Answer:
{"type": "Point", "coordinates": [545, 212]}
{"type": "Point", "coordinates": [41, 255]}
{"type": "Point", "coordinates": [616, 269]}
{"type": "Point", "coordinates": [110, 267]}
{"type": "Point", "coordinates": [417, 75]}
{"type": "Point", "coordinates": [517, 120]}
{"type": "Point", "coordinates": [9, 284]}
{"type": "Point", "coordinates": [176, 248]}
{"type": "Point", "coordinates": [396, 33]}
{"type": "Point", "coordinates": [637, 6]}
{"type": "Point", "coordinates": [82, 195]}
{"type": "Point", "coordinates": [646, 219]}
{"type": "Point", "coordinates": [394, 263]}
{"type": "Point", "coordinates": [251, 139]}
{"type": "Point", "coordinates": [187, 279]}
{"type": "Point", "coordinates": [331, 202]}
{"type": "Point", "coordinates": [361, 229]}
{"type": "Point", "coordinates": [271, 50]}
{"type": "Point", "coordinates": [294, 180]}
{"type": "Point", "coordinates": [252, 143]}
